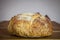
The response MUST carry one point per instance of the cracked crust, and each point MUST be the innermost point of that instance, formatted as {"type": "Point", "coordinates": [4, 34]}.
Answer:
{"type": "Point", "coordinates": [30, 25]}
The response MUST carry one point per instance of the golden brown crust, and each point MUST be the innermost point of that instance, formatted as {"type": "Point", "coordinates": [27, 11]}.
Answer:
{"type": "Point", "coordinates": [28, 25]}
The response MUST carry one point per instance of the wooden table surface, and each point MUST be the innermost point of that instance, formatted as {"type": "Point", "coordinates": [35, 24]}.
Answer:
{"type": "Point", "coordinates": [4, 33]}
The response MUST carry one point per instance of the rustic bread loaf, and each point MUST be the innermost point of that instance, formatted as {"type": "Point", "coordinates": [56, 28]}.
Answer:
{"type": "Point", "coordinates": [30, 25]}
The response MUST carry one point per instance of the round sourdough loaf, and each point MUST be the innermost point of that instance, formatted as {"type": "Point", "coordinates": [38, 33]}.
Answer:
{"type": "Point", "coordinates": [30, 25]}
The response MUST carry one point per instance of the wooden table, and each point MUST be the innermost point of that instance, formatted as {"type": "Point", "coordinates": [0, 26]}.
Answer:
{"type": "Point", "coordinates": [5, 35]}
